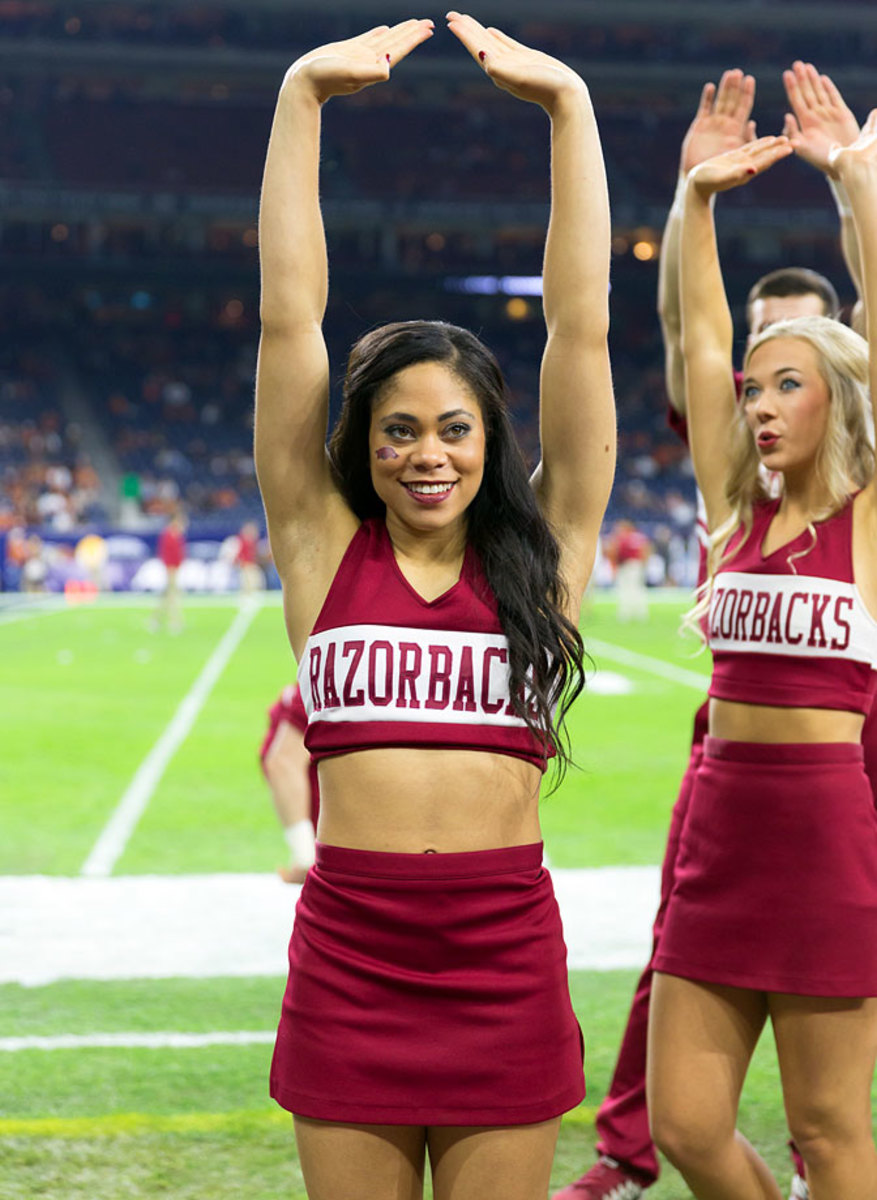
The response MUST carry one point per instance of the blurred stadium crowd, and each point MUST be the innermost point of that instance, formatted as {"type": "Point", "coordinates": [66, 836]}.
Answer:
{"type": "Point", "coordinates": [131, 143]}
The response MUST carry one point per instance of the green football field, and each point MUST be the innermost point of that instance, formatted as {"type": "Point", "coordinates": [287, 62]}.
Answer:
{"type": "Point", "coordinates": [129, 755]}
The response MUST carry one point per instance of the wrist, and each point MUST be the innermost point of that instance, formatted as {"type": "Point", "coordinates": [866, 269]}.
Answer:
{"type": "Point", "coordinates": [297, 89]}
{"type": "Point", "coordinates": [679, 195]}
{"type": "Point", "coordinates": [841, 198]}
{"type": "Point", "coordinates": [570, 100]}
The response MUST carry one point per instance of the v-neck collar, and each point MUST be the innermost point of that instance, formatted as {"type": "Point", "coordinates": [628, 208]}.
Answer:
{"type": "Point", "coordinates": [409, 586]}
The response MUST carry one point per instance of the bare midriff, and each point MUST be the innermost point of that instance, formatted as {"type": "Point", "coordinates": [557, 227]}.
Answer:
{"type": "Point", "coordinates": [407, 800]}
{"type": "Point", "coordinates": [766, 723]}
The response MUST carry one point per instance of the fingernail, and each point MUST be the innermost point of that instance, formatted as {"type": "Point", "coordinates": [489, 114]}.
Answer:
{"type": "Point", "coordinates": [751, 171]}
{"type": "Point", "coordinates": [481, 55]}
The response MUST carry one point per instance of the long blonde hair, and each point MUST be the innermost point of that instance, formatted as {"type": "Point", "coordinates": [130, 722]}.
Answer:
{"type": "Point", "coordinates": [845, 461]}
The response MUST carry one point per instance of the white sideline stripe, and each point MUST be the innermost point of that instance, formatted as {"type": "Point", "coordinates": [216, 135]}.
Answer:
{"type": "Point", "coordinates": [643, 662]}
{"type": "Point", "coordinates": [114, 837]}
{"type": "Point", "coordinates": [147, 1041]}
{"type": "Point", "coordinates": [238, 925]}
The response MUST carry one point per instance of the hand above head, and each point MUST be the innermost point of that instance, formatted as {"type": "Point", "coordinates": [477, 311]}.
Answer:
{"type": "Point", "coordinates": [819, 118]}
{"type": "Point", "coordinates": [342, 68]}
{"type": "Point", "coordinates": [736, 167]}
{"type": "Point", "coordinates": [526, 73]}
{"type": "Point", "coordinates": [858, 157]}
{"type": "Point", "coordinates": [722, 121]}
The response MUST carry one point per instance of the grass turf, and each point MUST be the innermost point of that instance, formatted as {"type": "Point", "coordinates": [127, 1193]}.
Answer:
{"type": "Point", "coordinates": [86, 693]}
{"type": "Point", "coordinates": [197, 1123]}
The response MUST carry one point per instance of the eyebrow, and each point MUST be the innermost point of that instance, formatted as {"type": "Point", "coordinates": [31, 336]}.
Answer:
{"type": "Point", "coordinates": [401, 416]}
{"type": "Point", "coordinates": [778, 371]}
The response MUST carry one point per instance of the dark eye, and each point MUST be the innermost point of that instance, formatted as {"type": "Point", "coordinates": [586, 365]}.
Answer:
{"type": "Point", "coordinates": [399, 432]}
{"type": "Point", "coordinates": [459, 429]}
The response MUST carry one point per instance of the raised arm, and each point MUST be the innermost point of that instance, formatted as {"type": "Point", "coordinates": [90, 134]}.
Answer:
{"type": "Point", "coordinates": [721, 123]}
{"type": "Point", "coordinates": [707, 329]}
{"type": "Point", "coordinates": [855, 167]}
{"type": "Point", "coordinates": [577, 409]}
{"type": "Point", "coordinates": [819, 120]}
{"type": "Point", "coordinates": [292, 382]}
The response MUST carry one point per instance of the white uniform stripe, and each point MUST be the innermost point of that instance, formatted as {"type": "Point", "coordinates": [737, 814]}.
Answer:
{"type": "Point", "coordinates": [116, 833]}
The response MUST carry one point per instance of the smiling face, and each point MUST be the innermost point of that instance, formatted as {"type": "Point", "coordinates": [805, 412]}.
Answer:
{"type": "Point", "coordinates": [426, 447]}
{"type": "Point", "coordinates": [786, 403]}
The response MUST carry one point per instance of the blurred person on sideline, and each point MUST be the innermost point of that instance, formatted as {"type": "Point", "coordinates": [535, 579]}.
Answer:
{"type": "Point", "coordinates": [628, 549]}
{"type": "Point", "coordinates": [246, 559]}
{"type": "Point", "coordinates": [291, 775]}
{"type": "Point", "coordinates": [172, 554]}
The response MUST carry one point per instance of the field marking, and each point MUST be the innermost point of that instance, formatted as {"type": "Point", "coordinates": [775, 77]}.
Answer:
{"type": "Point", "coordinates": [128, 1124]}
{"type": "Point", "coordinates": [146, 1041]}
{"type": "Point", "coordinates": [644, 662]}
{"type": "Point", "coordinates": [237, 925]}
{"type": "Point", "coordinates": [112, 841]}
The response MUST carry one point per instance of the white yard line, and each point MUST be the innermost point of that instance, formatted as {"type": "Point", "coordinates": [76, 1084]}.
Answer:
{"type": "Point", "coordinates": [643, 662]}
{"type": "Point", "coordinates": [147, 1041]}
{"type": "Point", "coordinates": [116, 833]}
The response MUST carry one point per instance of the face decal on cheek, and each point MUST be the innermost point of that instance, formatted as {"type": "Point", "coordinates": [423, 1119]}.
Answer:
{"type": "Point", "coordinates": [385, 452]}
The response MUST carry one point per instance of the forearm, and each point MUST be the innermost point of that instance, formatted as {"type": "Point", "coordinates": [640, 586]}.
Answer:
{"type": "Point", "coordinates": [292, 244]}
{"type": "Point", "coordinates": [849, 242]}
{"type": "Point", "coordinates": [669, 312]}
{"type": "Point", "coordinates": [576, 265]}
{"type": "Point", "coordinates": [861, 187]}
{"type": "Point", "coordinates": [706, 317]}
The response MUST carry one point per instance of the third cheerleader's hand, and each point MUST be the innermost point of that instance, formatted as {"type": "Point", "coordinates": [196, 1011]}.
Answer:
{"type": "Point", "coordinates": [722, 121]}
{"type": "Point", "coordinates": [526, 73]}
{"type": "Point", "coordinates": [737, 167]}
{"type": "Point", "coordinates": [819, 118]}
{"type": "Point", "coordinates": [342, 68]}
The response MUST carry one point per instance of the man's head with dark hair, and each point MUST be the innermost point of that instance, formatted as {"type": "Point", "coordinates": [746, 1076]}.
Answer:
{"type": "Point", "coordinates": [788, 293]}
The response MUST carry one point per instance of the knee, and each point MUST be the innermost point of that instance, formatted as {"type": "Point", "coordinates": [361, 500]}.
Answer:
{"type": "Point", "coordinates": [682, 1138]}
{"type": "Point", "coordinates": [824, 1135]}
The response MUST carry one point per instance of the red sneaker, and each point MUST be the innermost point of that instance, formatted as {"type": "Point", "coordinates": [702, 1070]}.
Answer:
{"type": "Point", "coordinates": [608, 1179]}
{"type": "Point", "coordinates": [800, 1190]}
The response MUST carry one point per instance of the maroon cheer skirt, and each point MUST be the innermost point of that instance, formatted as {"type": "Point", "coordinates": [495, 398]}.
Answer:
{"type": "Point", "coordinates": [776, 880]}
{"type": "Point", "coordinates": [428, 989]}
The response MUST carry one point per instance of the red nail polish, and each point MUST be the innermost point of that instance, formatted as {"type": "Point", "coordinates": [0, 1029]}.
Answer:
{"type": "Point", "coordinates": [481, 55]}
{"type": "Point", "coordinates": [751, 171]}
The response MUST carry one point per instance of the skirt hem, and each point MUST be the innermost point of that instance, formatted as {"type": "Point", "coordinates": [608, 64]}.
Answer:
{"type": "Point", "coordinates": [784, 985]}
{"type": "Point", "coordinates": [319, 1109]}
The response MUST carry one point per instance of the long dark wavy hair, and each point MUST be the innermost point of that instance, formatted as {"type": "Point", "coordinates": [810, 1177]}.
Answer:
{"type": "Point", "coordinates": [518, 551]}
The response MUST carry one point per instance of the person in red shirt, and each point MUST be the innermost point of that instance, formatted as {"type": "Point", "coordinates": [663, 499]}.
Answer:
{"type": "Point", "coordinates": [628, 550]}
{"type": "Point", "coordinates": [172, 554]}
{"type": "Point", "coordinates": [291, 775]}
{"type": "Point", "coordinates": [247, 558]}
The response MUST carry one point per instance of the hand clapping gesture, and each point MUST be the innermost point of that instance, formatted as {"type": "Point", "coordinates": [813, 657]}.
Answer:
{"type": "Point", "coordinates": [342, 68]}
{"type": "Point", "coordinates": [736, 167]}
{"type": "Point", "coordinates": [722, 121]}
{"type": "Point", "coordinates": [526, 73]}
{"type": "Point", "coordinates": [819, 118]}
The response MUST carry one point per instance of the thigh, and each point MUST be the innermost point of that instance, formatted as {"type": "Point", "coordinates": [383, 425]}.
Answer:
{"type": "Point", "coordinates": [496, 1163]}
{"type": "Point", "coordinates": [360, 1162]}
{"type": "Point", "coordinates": [701, 1039]}
{"type": "Point", "coordinates": [827, 1049]}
